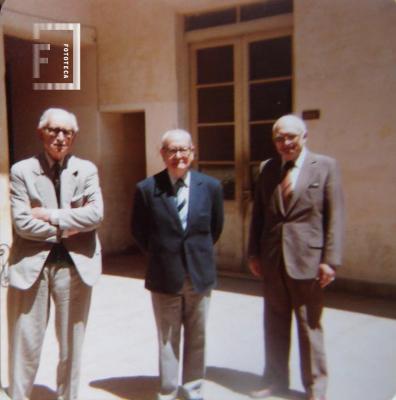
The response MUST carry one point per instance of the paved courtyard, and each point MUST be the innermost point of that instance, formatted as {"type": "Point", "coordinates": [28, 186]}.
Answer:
{"type": "Point", "coordinates": [120, 353]}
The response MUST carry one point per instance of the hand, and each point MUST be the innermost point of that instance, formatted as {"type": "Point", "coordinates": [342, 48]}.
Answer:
{"type": "Point", "coordinates": [326, 275]}
{"type": "Point", "coordinates": [255, 267]}
{"type": "Point", "coordinates": [41, 213]}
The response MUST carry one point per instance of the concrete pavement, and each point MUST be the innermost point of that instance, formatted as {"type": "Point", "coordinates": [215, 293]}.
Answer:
{"type": "Point", "coordinates": [120, 353]}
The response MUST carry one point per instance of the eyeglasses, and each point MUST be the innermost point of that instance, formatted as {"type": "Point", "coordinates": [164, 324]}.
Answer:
{"type": "Point", "coordinates": [54, 132]}
{"type": "Point", "coordinates": [183, 151]}
{"type": "Point", "coordinates": [286, 138]}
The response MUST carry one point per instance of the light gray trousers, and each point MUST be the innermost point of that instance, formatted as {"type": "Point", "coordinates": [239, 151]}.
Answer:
{"type": "Point", "coordinates": [172, 311]}
{"type": "Point", "coordinates": [28, 312]}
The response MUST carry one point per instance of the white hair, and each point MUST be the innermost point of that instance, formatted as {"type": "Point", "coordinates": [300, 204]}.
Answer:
{"type": "Point", "coordinates": [292, 119]}
{"type": "Point", "coordinates": [45, 117]}
{"type": "Point", "coordinates": [166, 137]}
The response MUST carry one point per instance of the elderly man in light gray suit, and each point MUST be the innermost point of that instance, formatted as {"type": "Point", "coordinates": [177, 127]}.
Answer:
{"type": "Point", "coordinates": [295, 245]}
{"type": "Point", "coordinates": [56, 207]}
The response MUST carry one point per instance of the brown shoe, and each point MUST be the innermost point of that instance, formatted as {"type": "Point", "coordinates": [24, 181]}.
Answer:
{"type": "Point", "coordinates": [268, 391]}
{"type": "Point", "coordinates": [312, 397]}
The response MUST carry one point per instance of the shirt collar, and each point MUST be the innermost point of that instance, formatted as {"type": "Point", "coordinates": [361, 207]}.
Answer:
{"type": "Point", "coordinates": [186, 179]}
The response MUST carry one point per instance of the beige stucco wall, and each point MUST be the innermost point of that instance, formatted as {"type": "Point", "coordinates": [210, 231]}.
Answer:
{"type": "Point", "coordinates": [57, 10]}
{"type": "Point", "coordinates": [17, 18]}
{"type": "Point", "coordinates": [345, 66]}
{"type": "Point", "coordinates": [124, 164]}
{"type": "Point", "coordinates": [5, 218]}
{"type": "Point", "coordinates": [137, 65]}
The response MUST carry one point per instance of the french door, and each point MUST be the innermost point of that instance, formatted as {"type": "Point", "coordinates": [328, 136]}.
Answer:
{"type": "Point", "coordinates": [239, 87]}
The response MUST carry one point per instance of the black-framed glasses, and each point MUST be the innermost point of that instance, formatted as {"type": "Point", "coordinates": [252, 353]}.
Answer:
{"type": "Point", "coordinates": [183, 151]}
{"type": "Point", "coordinates": [54, 132]}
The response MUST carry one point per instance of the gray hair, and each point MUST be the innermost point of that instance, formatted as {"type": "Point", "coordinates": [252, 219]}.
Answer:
{"type": "Point", "coordinates": [175, 132]}
{"type": "Point", "coordinates": [293, 119]}
{"type": "Point", "coordinates": [45, 117]}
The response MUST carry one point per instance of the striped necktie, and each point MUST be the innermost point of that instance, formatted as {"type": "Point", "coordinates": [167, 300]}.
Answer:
{"type": "Point", "coordinates": [181, 202]}
{"type": "Point", "coordinates": [286, 183]}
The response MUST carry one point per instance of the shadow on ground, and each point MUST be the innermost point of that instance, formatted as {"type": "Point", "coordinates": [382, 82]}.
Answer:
{"type": "Point", "coordinates": [131, 388]}
{"type": "Point", "coordinates": [132, 265]}
{"type": "Point", "coordinates": [244, 382]}
{"type": "Point", "coordinates": [41, 392]}
{"type": "Point", "coordinates": [146, 387]}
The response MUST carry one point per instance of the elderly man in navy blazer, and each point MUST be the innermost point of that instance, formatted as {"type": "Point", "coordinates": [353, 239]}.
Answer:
{"type": "Point", "coordinates": [295, 245]}
{"type": "Point", "coordinates": [177, 219]}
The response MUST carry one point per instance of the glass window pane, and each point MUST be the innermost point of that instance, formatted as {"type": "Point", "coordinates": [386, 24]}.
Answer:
{"type": "Point", "coordinates": [225, 174]}
{"type": "Point", "coordinates": [206, 20]}
{"type": "Point", "coordinates": [265, 9]}
{"type": "Point", "coordinates": [215, 65]}
{"type": "Point", "coordinates": [216, 143]}
{"type": "Point", "coordinates": [216, 104]}
{"type": "Point", "coordinates": [270, 100]}
{"type": "Point", "coordinates": [270, 58]}
{"type": "Point", "coordinates": [261, 145]}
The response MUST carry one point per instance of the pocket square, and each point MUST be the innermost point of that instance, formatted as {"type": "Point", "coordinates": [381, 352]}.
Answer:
{"type": "Point", "coordinates": [314, 185]}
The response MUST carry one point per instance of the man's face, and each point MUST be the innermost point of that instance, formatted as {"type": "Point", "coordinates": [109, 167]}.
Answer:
{"type": "Point", "coordinates": [178, 154]}
{"type": "Point", "coordinates": [57, 136]}
{"type": "Point", "coordinates": [289, 140]}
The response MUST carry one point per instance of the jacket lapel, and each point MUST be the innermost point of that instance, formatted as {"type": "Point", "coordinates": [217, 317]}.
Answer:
{"type": "Point", "coordinates": [43, 183]}
{"type": "Point", "coordinates": [194, 197]}
{"type": "Point", "coordinates": [45, 186]}
{"type": "Point", "coordinates": [69, 177]}
{"type": "Point", "coordinates": [303, 179]}
{"type": "Point", "coordinates": [163, 189]}
{"type": "Point", "coordinates": [276, 198]}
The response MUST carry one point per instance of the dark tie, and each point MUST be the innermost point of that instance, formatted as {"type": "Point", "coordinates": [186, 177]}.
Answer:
{"type": "Point", "coordinates": [58, 253]}
{"type": "Point", "coordinates": [56, 168]}
{"type": "Point", "coordinates": [286, 183]}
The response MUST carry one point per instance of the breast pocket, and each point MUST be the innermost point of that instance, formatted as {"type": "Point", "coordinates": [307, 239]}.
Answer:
{"type": "Point", "coordinates": [315, 193]}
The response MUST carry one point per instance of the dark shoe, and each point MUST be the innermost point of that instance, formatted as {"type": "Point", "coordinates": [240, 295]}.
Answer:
{"type": "Point", "coordinates": [313, 397]}
{"type": "Point", "coordinates": [268, 391]}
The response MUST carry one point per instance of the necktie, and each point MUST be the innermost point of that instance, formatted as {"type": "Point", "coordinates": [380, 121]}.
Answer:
{"type": "Point", "coordinates": [56, 168]}
{"type": "Point", "coordinates": [181, 202]}
{"type": "Point", "coordinates": [286, 183]}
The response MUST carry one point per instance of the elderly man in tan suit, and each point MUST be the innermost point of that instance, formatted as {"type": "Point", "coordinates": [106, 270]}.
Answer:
{"type": "Point", "coordinates": [295, 245]}
{"type": "Point", "coordinates": [56, 207]}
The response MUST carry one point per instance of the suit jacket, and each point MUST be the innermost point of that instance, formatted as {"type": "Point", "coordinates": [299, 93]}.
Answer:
{"type": "Point", "coordinates": [310, 230]}
{"type": "Point", "coordinates": [173, 251]}
{"type": "Point", "coordinates": [81, 209]}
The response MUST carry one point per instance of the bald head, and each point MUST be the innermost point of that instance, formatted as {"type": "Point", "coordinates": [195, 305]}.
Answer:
{"type": "Point", "coordinates": [57, 130]}
{"type": "Point", "coordinates": [289, 134]}
{"type": "Point", "coordinates": [290, 122]}
{"type": "Point", "coordinates": [58, 113]}
{"type": "Point", "coordinates": [175, 134]}
{"type": "Point", "coordinates": [177, 151]}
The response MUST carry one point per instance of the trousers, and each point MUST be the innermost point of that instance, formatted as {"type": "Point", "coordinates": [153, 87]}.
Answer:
{"type": "Point", "coordinates": [28, 313]}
